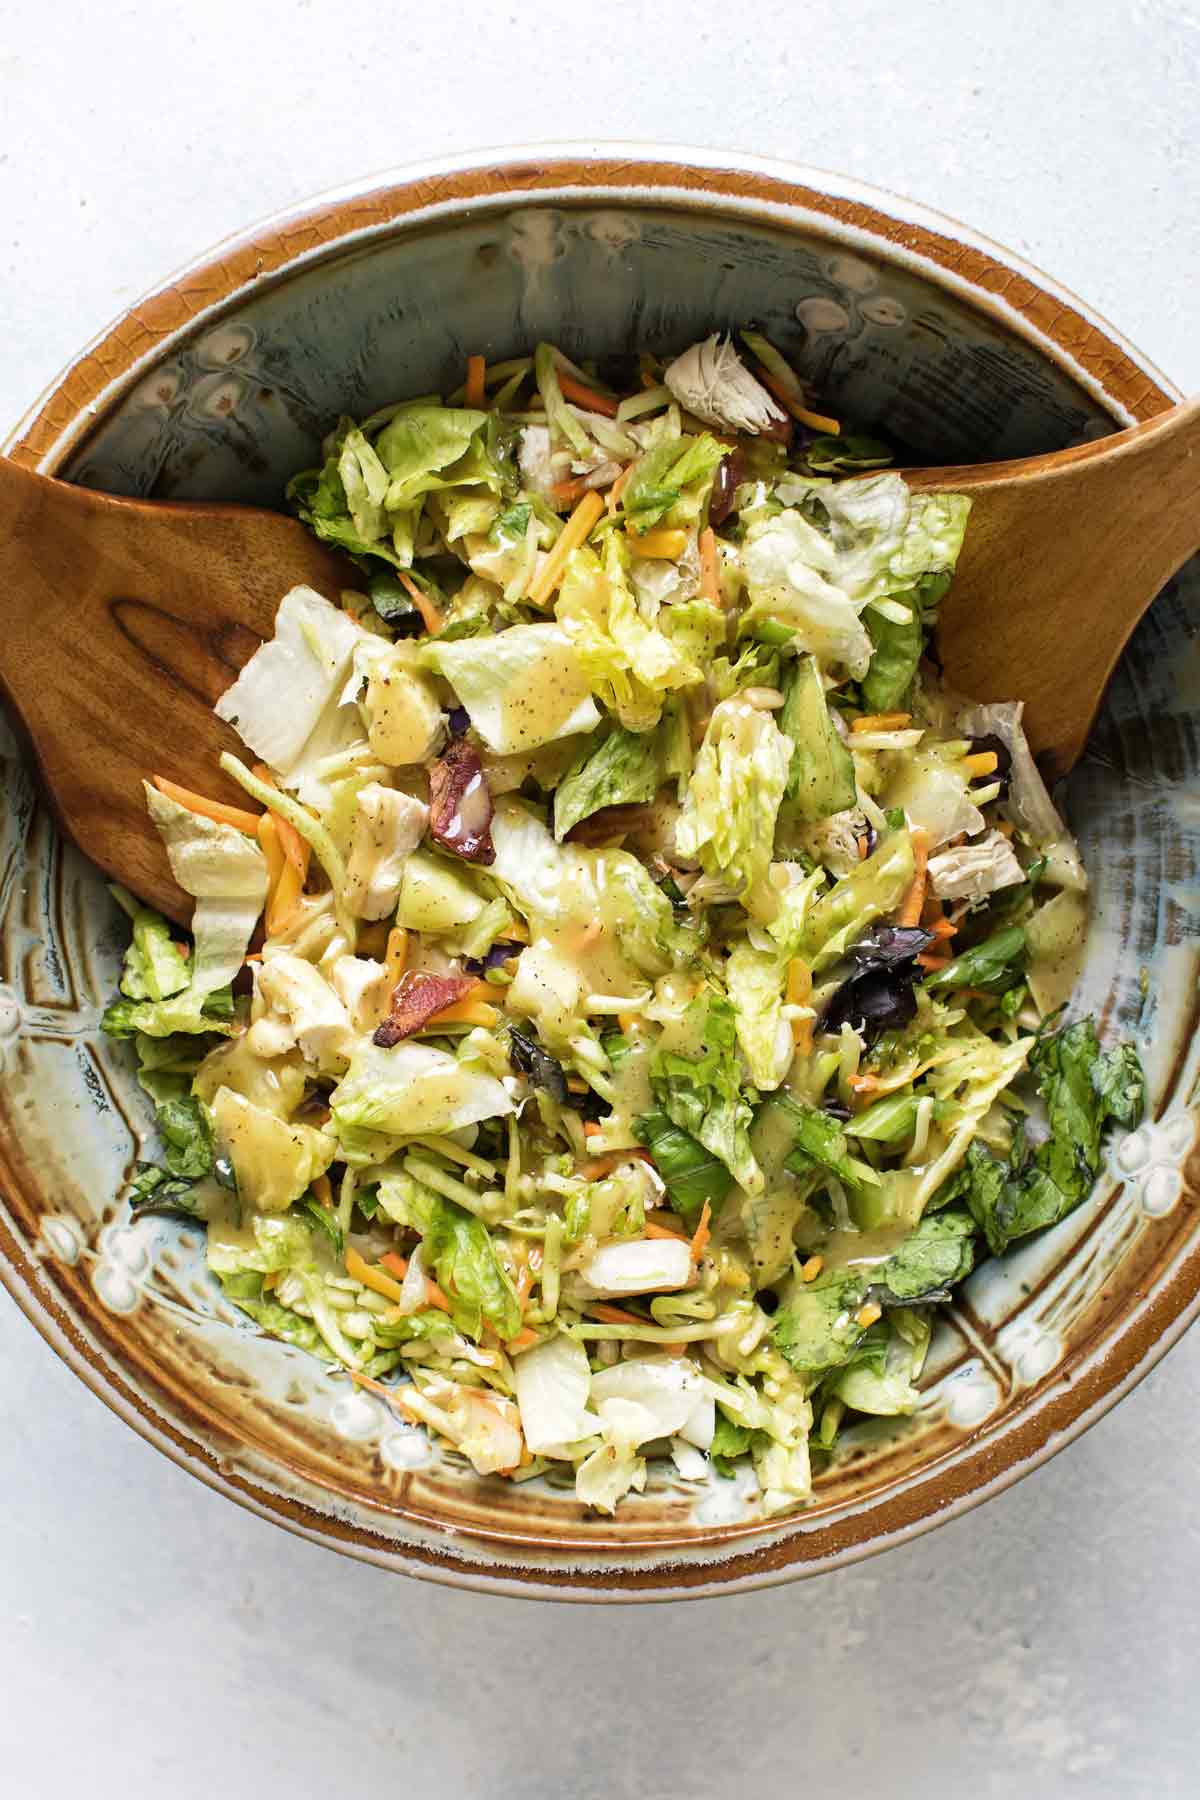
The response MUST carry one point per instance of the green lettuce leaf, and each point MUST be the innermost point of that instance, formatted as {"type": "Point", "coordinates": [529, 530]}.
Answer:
{"type": "Point", "coordinates": [621, 768]}
{"type": "Point", "coordinates": [522, 687]}
{"type": "Point", "coordinates": [691, 1173]}
{"type": "Point", "coordinates": [727, 822]}
{"type": "Point", "coordinates": [424, 448]}
{"type": "Point", "coordinates": [817, 1327]}
{"type": "Point", "coordinates": [703, 1095]}
{"type": "Point", "coordinates": [1083, 1089]}
{"type": "Point", "coordinates": [995, 965]}
{"type": "Point", "coordinates": [897, 645]}
{"type": "Point", "coordinates": [883, 1368]}
{"type": "Point", "coordinates": [460, 1249]}
{"type": "Point", "coordinates": [630, 663]}
{"type": "Point", "coordinates": [154, 967]}
{"type": "Point", "coordinates": [754, 981]}
{"type": "Point", "coordinates": [939, 1253]}
{"type": "Point", "coordinates": [839, 918]}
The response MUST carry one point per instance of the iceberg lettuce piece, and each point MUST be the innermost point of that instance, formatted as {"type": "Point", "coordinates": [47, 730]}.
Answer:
{"type": "Point", "coordinates": [425, 448]}
{"type": "Point", "coordinates": [630, 664]}
{"type": "Point", "coordinates": [554, 885]}
{"type": "Point", "coordinates": [522, 687]}
{"type": "Point", "coordinates": [277, 701]}
{"type": "Point", "coordinates": [226, 874]}
{"type": "Point", "coordinates": [754, 981]}
{"type": "Point", "coordinates": [728, 819]}
{"type": "Point", "coordinates": [274, 1160]}
{"type": "Point", "coordinates": [552, 1382]}
{"type": "Point", "coordinates": [621, 769]}
{"type": "Point", "coordinates": [788, 567]}
{"type": "Point", "coordinates": [414, 1090]}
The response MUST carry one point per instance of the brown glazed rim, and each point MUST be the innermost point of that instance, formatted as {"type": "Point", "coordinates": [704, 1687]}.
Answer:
{"type": "Point", "coordinates": [988, 278]}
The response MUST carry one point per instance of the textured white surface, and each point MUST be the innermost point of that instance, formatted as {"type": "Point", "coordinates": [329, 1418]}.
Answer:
{"type": "Point", "coordinates": [157, 1639]}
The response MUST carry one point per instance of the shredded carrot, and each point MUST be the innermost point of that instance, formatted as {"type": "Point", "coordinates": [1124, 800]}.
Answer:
{"type": "Point", "coordinates": [599, 1166]}
{"type": "Point", "coordinates": [272, 849]}
{"type": "Point", "coordinates": [574, 533]}
{"type": "Point", "coordinates": [431, 618]}
{"type": "Point", "coordinates": [474, 392]}
{"type": "Point", "coordinates": [524, 1338]}
{"type": "Point", "coordinates": [361, 1270]}
{"type": "Point", "coordinates": [710, 579]}
{"type": "Point", "coordinates": [799, 991]}
{"type": "Point", "coordinates": [868, 1314]}
{"type": "Point", "coordinates": [524, 1285]}
{"type": "Point", "coordinates": [399, 1266]}
{"type": "Point", "coordinates": [984, 762]}
{"type": "Point", "coordinates": [665, 545]}
{"type": "Point", "coordinates": [660, 1231]}
{"type": "Point", "coordinates": [297, 849]}
{"type": "Point", "coordinates": [282, 902]}
{"type": "Point", "coordinates": [702, 1233]}
{"type": "Point", "coordinates": [576, 1085]}
{"type": "Point", "coordinates": [566, 493]}
{"type": "Point", "coordinates": [582, 395]}
{"type": "Point", "coordinates": [613, 1315]}
{"type": "Point", "coordinates": [928, 960]}
{"type": "Point", "coordinates": [974, 994]}
{"type": "Point", "coordinates": [323, 1192]}
{"type": "Point", "coordinates": [814, 421]}
{"type": "Point", "coordinates": [396, 955]}
{"type": "Point", "coordinates": [864, 1084]}
{"type": "Point", "coordinates": [216, 810]}
{"type": "Point", "coordinates": [618, 488]}
{"type": "Point", "coordinates": [812, 1268]}
{"type": "Point", "coordinates": [894, 721]}
{"type": "Point", "coordinates": [252, 956]}
{"type": "Point", "coordinates": [914, 900]}
{"type": "Point", "coordinates": [591, 1128]}
{"type": "Point", "coordinates": [864, 845]}
{"type": "Point", "coordinates": [1005, 828]}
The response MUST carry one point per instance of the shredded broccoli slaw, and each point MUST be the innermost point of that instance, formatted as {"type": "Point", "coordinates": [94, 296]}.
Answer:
{"type": "Point", "coordinates": [628, 1000]}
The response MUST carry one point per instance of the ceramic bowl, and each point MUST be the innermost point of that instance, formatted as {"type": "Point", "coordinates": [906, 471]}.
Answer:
{"type": "Point", "coordinates": [219, 385]}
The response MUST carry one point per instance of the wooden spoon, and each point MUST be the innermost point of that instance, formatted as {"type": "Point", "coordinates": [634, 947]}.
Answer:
{"type": "Point", "coordinates": [125, 619]}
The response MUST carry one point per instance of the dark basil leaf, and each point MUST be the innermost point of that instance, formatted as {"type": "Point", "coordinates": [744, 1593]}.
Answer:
{"type": "Point", "coordinates": [528, 1058]}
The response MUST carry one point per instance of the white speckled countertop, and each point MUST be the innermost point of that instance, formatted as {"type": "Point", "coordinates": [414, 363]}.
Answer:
{"type": "Point", "coordinates": [158, 1640]}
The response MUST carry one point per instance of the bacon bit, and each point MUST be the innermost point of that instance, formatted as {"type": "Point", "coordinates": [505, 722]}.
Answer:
{"type": "Point", "coordinates": [580, 394]}
{"type": "Point", "coordinates": [323, 1192]}
{"type": "Point", "coordinates": [476, 387]}
{"type": "Point", "coordinates": [731, 472]}
{"type": "Point", "coordinates": [207, 809]}
{"type": "Point", "coordinates": [812, 1268]}
{"type": "Point", "coordinates": [710, 580]}
{"type": "Point", "coordinates": [460, 804]}
{"type": "Point", "coordinates": [893, 721]}
{"type": "Point", "coordinates": [418, 998]}
{"type": "Point", "coordinates": [702, 1234]}
{"type": "Point", "coordinates": [617, 489]}
{"type": "Point", "coordinates": [612, 1315]}
{"type": "Point", "coordinates": [914, 900]}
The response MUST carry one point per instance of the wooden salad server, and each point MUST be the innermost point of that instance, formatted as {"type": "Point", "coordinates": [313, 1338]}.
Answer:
{"type": "Point", "coordinates": [125, 619]}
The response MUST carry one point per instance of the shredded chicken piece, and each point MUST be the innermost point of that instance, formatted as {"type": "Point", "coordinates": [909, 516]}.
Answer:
{"type": "Point", "coordinates": [712, 381]}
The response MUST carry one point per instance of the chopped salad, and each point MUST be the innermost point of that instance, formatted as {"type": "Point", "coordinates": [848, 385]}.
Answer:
{"type": "Point", "coordinates": [627, 1000]}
